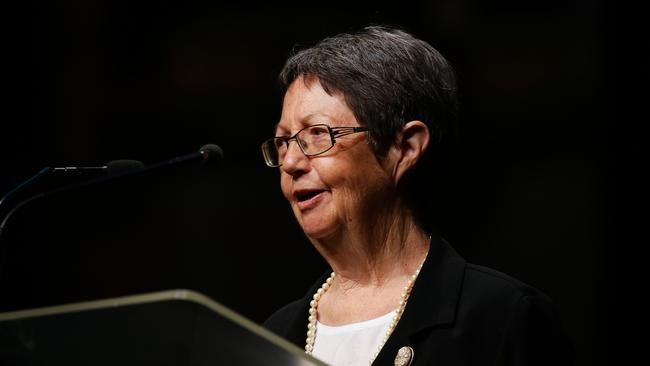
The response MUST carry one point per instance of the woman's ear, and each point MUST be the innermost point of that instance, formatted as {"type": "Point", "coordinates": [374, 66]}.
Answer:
{"type": "Point", "coordinates": [411, 145]}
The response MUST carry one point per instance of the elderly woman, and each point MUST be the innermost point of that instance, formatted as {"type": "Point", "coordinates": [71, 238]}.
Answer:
{"type": "Point", "coordinates": [359, 116]}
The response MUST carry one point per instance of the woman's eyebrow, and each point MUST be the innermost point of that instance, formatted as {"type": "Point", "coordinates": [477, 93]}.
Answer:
{"type": "Point", "coordinates": [278, 133]}
{"type": "Point", "coordinates": [308, 120]}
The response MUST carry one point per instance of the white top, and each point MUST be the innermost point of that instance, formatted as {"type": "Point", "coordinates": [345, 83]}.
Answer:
{"type": "Point", "coordinates": [351, 344]}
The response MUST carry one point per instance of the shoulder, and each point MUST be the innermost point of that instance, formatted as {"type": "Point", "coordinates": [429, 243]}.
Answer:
{"type": "Point", "coordinates": [484, 281]}
{"type": "Point", "coordinates": [523, 319]}
{"type": "Point", "coordinates": [279, 320]}
{"type": "Point", "coordinates": [488, 290]}
{"type": "Point", "coordinates": [290, 321]}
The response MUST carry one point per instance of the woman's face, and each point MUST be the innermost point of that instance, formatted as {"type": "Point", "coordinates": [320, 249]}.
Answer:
{"type": "Point", "coordinates": [341, 188]}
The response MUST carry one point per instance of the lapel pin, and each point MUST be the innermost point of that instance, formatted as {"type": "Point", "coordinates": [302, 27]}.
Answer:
{"type": "Point", "coordinates": [404, 356]}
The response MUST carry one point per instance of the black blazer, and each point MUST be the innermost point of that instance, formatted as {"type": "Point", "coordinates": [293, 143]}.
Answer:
{"type": "Point", "coordinates": [459, 314]}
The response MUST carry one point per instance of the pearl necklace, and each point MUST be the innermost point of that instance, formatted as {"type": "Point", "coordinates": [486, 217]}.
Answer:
{"type": "Point", "coordinates": [313, 305]}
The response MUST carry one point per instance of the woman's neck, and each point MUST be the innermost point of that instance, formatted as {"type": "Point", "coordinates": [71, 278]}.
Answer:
{"type": "Point", "coordinates": [371, 257]}
{"type": "Point", "coordinates": [370, 278]}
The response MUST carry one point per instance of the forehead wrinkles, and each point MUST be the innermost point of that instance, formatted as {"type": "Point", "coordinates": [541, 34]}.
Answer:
{"type": "Point", "coordinates": [307, 104]}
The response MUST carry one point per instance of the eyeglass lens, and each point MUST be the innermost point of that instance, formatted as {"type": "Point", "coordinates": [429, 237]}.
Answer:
{"type": "Point", "coordinates": [313, 140]}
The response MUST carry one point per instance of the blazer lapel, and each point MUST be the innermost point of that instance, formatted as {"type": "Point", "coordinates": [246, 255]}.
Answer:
{"type": "Point", "coordinates": [433, 300]}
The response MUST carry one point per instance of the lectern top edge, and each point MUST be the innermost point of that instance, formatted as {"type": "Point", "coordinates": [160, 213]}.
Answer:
{"type": "Point", "coordinates": [177, 294]}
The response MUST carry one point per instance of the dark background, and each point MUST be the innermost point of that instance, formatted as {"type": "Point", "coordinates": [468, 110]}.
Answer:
{"type": "Point", "coordinates": [529, 189]}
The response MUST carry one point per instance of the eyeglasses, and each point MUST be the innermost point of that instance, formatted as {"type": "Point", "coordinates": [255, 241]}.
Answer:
{"type": "Point", "coordinates": [312, 140]}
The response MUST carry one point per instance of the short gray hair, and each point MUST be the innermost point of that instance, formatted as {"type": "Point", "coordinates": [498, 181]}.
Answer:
{"type": "Point", "coordinates": [387, 78]}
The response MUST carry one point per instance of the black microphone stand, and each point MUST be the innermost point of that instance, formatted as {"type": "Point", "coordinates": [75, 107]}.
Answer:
{"type": "Point", "coordinates": [208, 153]}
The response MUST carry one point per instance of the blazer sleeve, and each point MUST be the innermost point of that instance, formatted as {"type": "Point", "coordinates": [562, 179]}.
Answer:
{"type": "Point", "coordinates": [534, 335]}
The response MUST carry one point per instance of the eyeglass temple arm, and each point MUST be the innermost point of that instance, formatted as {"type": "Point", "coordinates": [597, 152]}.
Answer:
{"type": "Point", "coordinates": [342, 131]}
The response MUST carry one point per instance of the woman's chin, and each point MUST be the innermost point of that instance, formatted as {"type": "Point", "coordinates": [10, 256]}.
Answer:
{"type": "Point", "coordinates": [315, 217]}
{"type": "Point", "coordinates": [315, 231]}
{"type": "Point", "coordinates": [317, 227]}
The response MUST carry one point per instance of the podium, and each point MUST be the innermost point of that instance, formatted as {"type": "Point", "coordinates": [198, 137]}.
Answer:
{"type": "Point", "coordinates": [175, 327]}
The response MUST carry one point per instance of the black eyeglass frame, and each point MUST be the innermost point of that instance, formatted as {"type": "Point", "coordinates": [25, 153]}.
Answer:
{"type": "Point", "coordinates": [334, 132]}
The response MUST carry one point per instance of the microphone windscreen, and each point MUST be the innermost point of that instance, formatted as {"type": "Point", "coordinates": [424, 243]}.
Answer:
{"type": "Point", "coordinates": [211, 153]}
{"type": "Point", "coordinates": [123, 166]}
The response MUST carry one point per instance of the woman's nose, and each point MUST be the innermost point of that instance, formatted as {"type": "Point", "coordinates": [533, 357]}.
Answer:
{"type": "Point", "coordinates": [295, 160]}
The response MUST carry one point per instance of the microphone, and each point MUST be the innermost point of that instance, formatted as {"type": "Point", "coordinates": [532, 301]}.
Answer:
{"type": "Point", "coordinates": [112, 167]}
{"type": "Point", "coordinates": [209, 153]}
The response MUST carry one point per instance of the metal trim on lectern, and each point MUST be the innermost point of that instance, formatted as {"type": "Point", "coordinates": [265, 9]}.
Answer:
{"type": "Point", "coordinates": [174, 327]}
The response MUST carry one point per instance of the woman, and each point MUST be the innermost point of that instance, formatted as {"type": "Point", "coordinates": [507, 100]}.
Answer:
{"type": "Point", "coordinates": [359, 114]}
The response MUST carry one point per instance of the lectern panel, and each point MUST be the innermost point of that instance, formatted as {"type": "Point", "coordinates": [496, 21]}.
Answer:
{"type": "Point", "coordinates": [177, 327]}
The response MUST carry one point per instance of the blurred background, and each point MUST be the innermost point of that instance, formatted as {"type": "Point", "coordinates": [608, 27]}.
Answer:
{"type": "Point", "coordinates": [528, 189]}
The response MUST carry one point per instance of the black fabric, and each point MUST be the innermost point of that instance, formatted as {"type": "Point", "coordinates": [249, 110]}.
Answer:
{"type": "Point", "coordinates": [459, 314]}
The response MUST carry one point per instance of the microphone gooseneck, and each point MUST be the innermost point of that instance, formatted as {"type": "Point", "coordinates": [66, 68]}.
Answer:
{"type": "Point", "coordinates": [112, 169]}
{"type": "Point", "coordinates": [209, 153]}
{"type": "Point", "coordinates": [35, 178]}
{"type": "Point", "coordinates": [123, 166]}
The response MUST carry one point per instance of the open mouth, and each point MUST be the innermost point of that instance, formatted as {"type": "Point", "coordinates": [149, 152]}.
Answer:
{"type": "Point", "coordinates": [307, 195]}
{"type": "Point", "coordinates": [303, 196]}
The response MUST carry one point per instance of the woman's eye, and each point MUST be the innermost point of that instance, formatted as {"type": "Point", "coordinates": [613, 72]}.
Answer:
{"type": "Point", "coordinates": [317, 131]}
